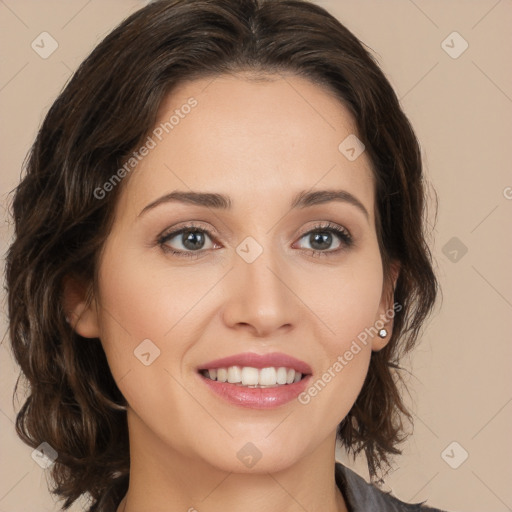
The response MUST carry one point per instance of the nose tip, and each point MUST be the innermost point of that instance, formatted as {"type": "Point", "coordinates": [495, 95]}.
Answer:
{"type": "Point", "coordinates": [259, 299]}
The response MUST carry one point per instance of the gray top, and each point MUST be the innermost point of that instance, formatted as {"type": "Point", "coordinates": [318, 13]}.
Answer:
{"type": "Point", "coordinates": [361, 496]}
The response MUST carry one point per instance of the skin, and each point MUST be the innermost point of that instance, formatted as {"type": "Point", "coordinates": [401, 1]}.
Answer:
{"type": "Point", "coordinates": [260, 142]}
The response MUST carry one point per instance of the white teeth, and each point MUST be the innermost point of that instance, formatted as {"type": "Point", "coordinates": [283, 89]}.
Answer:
{"type": "Point", "coordinates": [281, 375]}
{"type": "Point", "coordinates": [250, 376]}
{"type": "Point", "coordinates": [234, 374]}
{"type": "Point", "coordinates": [268, 377]}
{"type": "Point", "coordinates": [254, 377]}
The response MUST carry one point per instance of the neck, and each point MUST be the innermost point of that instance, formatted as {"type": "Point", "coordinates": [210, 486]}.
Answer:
{"type": "Point", "coordinates": [165, 479]}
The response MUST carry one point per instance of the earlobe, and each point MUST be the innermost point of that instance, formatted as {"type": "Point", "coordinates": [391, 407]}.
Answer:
{"type": "Point", "coordinates": [384, 324]}
{"type": "Point", "coordinates": [80, 308]}
{"type": "Point", "coordinates": [381, 339]}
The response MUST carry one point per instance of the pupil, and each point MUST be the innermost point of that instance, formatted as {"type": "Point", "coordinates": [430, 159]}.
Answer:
{"type": "Point", "coordinates": [193, 239]}
{"type": "Point", "coordinates": [322, 240]}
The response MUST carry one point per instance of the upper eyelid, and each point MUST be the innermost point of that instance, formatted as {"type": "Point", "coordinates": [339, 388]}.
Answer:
{"type": "Point", "coordinates": [328, 225]}
{"type": "Point", "coordinates": [190, 225]}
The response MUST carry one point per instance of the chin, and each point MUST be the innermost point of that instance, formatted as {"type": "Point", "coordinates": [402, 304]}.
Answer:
{"type": "Point", "coordinates": [256, 455]}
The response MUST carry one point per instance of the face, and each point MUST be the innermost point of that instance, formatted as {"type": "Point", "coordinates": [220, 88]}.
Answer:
{"type": "Point", "coordinates": [273, 268]}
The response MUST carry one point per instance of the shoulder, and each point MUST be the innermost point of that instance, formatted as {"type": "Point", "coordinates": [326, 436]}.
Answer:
{"type": "Point", "coordinates": [362, 496]}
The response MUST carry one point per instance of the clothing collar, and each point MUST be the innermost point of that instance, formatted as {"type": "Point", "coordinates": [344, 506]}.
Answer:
{"type": "Point", "coordinates": [360, 496]}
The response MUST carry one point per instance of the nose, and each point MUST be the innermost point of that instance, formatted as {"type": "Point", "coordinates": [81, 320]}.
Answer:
{"type": "Point", "coordinates": [259, 297]}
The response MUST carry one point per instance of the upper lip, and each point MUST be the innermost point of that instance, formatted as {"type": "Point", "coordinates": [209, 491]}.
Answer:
{"type": "Point", "coordinates": [275, 359]}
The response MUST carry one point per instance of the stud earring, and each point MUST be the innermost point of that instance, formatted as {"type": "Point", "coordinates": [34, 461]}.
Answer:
{"type": "Point", "coordinates": [383, 333]}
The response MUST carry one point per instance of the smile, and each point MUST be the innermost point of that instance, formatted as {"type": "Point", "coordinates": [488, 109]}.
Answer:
{"type": "Point", "coordinates": [251, 377]}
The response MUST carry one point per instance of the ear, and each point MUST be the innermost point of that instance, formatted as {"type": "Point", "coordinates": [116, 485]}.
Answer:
{"type": "Point", "coordinates": [80, 307]}
{"type": "Point", "coordinates": [386, 308]}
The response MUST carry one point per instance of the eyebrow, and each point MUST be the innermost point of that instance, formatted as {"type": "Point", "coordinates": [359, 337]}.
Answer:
{"type": "Point", "coordinates": [302, 200]}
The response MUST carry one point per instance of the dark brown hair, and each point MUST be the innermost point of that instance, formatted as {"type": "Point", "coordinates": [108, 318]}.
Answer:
{"type": "Point", "coordinates": [102, 115]}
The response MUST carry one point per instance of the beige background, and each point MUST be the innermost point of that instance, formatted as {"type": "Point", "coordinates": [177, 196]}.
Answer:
{"type": "Point", "coordinates": [461, 109]}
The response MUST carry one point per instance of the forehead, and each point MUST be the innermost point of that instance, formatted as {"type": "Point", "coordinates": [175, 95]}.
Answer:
{"type": "Point", "coordinates": [254, 140]}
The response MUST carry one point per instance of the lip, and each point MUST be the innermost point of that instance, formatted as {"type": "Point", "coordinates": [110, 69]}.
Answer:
{"type": "Point", "coordinates": [275, 359]}
{"type": "Point", "coordinates": [257, 398]}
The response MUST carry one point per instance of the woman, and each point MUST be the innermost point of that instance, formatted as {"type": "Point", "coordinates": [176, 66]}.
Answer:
{"type": "Point", "coordinates": [219, 260]}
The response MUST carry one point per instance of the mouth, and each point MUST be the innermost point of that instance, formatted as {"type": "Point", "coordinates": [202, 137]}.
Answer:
{"type": "Point", "coordinates": [256, 381]}
{"type": "Point", "coordinates": [251, 377]}
{"type": "Point", "coordinates": [256, 370]}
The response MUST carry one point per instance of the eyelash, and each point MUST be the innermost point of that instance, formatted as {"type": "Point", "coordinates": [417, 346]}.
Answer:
{"type": "Point", "coordinates": [342, 233]}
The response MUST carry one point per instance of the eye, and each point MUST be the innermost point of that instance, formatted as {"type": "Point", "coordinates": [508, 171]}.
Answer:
{"type": "Point", "coordinates": [322, 237]}
{"type": "Point", "coordinates": [192, 241]}
{"type": "Point", "coordinates": [186, 241]}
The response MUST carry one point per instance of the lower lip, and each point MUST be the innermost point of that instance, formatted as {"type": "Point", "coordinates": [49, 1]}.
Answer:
{"type": "Point", "coordinates": [257, 398]}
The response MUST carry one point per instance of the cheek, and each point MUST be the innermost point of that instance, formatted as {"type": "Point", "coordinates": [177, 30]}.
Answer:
{"type": "Point", "coordinates": [142, 300]}
{"type": "Point", "coordinates": [348, 305]}
{"type": "Point", "coordinates": [346, 299]}
{"type": "Point", "coordinates": [141, 314]}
